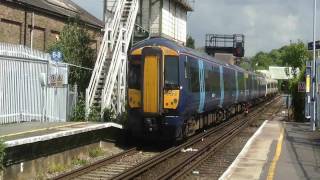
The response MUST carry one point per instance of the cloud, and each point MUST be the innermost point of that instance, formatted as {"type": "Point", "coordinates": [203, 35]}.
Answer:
{"type": "Point", "coordinates": [265, 24]}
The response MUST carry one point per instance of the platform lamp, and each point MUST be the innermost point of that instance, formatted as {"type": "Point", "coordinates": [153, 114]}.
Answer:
{"type": "Point", "coordinates": [313, 119]}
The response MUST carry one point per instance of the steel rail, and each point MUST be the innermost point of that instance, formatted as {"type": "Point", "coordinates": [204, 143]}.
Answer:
{"type": "Point", "coordinates": [144, 166]}
{"type": "Point", "coordinates": [93, 166]}
{"type": "Point", "coordinates": [185, 169]}
{"type": "Point", "coordinates": [152, 162]}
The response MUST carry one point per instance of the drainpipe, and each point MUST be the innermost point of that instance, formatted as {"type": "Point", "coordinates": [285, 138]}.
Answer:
{"type": "Point", "coordinates": [32, 21]}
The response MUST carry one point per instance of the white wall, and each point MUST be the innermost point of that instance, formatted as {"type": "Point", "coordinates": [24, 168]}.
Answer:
{"type": "Point", "coordinates": [174, 21]}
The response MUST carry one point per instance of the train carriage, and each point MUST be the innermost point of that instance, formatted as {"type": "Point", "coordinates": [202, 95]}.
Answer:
{"type": "Point", "coordinates": [173, 91]}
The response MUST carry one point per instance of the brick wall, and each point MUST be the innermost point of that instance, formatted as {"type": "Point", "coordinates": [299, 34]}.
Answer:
{"type": "Point", "coordinates": [16, 27]}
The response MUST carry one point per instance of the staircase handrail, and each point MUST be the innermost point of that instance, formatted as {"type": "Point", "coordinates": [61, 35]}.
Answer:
{"type": "Point", "coordinates": [102, 55]}
{"type": "Point", "coordinates": [111, 77]}
{"type": "Point", "coordinates": [114, 66]}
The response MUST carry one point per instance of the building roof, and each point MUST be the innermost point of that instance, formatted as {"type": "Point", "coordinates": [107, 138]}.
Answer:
{"type": "Point", "coordinates": [60, 8]}
{"type": "Point", "coordinates": [185, 4]}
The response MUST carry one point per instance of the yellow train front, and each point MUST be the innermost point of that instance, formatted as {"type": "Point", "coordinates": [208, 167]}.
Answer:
{"type": "Point", "coordinates": [173, 91]}
{"type": "Point", "coordinates": [153, 92]}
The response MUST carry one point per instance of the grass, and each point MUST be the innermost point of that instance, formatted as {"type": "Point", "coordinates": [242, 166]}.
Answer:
{"type": "Point", "coordinates": [2, 153]}
{"type": "Point", "coordinates": [56, 168]}
{"type": "Point", "coordinates": [79, 162]}
{"type": "Point", "coordinates": [95, 152]}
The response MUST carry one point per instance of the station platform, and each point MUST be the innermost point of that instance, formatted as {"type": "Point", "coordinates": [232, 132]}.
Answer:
{"type": "Point", "coordinates": [32, 139]}
{"type": "Point", "coordinates": [31, 132]}
{"type": "Point", "coordinates": [278, 150]}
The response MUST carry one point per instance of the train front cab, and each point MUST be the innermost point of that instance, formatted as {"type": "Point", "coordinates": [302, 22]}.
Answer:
{"type": "Point", "coordinates": [154, 93]}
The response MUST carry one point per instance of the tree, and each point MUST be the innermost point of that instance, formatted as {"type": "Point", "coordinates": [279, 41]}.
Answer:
{"type": "Point", "coordinates": [261, 60]}
{"type": "Point", "coordinates": [292, 55]}
{"type": "Point", "coordinates": [295, 55]}
{"type": "Point", "coordinates": [190, 42]}
{"type": "Point", "coordinates": [74, 43]}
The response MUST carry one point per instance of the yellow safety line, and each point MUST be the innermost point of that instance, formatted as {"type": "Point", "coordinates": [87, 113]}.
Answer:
{"type": "Point", "coordinates": [276, 157]}
{"type": "Point", "coordinates": [42, 129]}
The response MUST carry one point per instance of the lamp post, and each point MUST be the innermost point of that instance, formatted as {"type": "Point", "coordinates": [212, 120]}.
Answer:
{"type": "Point", "coordinates": [314, 67]}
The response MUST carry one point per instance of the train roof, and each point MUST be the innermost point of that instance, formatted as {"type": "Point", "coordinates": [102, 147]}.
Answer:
{"type": "Point", "coordinates": [185, 50]}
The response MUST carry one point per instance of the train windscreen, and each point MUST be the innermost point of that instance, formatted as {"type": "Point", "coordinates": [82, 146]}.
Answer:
{"type": "Point", "coordinates": [171, 72]}
{"type": "Point", "coordinates": [134, 79]}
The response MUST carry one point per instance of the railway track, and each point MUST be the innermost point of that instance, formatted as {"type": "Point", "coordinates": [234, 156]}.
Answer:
{"type": "Point", "coordinates": [174, 162]}
{"type": "Point", "coordinates": [212, 166]}
{"type": "Point", "coordinates": [134, 164]}
{"type": "Point", "coordinates": [108, 167]}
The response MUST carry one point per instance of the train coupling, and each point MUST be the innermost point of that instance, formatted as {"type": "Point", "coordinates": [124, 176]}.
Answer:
{"type": "Point", "coordinates": [151, 124]}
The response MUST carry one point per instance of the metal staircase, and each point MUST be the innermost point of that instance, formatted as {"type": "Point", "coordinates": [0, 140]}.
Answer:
{"type": "Point", "coordinates": [108, 80]}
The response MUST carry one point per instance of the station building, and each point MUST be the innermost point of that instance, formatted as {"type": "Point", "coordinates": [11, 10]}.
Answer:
{"type": "Point", "coordinates": [40, 22]}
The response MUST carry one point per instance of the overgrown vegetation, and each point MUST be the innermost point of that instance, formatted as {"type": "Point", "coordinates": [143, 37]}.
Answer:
{"type": "Point", "coordinates": [79, 112]}
{"type": "Point", "coordinates": [75, 43]}
{"type": "Point", "coordinates": [2, 153]}
{"type": "Point", "coordinates": [94, 114]}
{"type": "Point", "coordinates": [108, 115]}
{"type": "Point", "coordinates": [79, 162]}
{"type": "Point", "coordinates": [95, 152]}
{"type": "Point", "coordinates": [293, 55]}
{"type": "Point", "coordinates": [56, 168]}
{"type": "Point", "coordinates": [298, 98]}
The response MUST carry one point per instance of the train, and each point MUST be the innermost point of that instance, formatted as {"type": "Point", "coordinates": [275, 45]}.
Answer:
{"type": "Point", "coordinates": [174, 91]}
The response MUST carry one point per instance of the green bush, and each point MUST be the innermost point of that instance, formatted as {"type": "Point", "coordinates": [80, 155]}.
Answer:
{"type": "Point", "coordinates": [79, 112]}
{"type": "Point", "coordinates": [298, 98]}
{"type": "Point", "coordinates": [2, 153]}
{"type": "Point", "coordinates": [94, 114]}
{"type": "Point", "coordinates": [123, 118]}
{"type": "Point", "coordinates": [108, 115]}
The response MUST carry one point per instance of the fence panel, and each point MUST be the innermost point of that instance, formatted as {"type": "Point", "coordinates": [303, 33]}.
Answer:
{"type": "Point", "coordinates": [24, 91]}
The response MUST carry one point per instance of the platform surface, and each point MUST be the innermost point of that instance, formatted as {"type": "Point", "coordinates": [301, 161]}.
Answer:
{"type": "Point", "coordinates": [279, 150]}
{"type": "Point", "coordinates": [30, 132]}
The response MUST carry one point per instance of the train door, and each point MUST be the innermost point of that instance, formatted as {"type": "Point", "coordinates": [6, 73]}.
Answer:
{"type": "Point", "coordinates": [152, 66]}
{"type": "Point", "coordinates": [221, 87]}
{"type": "Point", "coordinates": [237, 86]}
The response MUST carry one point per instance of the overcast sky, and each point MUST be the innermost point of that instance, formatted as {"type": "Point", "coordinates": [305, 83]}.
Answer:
{"type": "Point", "coordinates": [266, 24]}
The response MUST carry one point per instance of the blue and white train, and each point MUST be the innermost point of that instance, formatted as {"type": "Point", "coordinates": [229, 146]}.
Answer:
{"type": "Point", "coordinates": [173, 91]}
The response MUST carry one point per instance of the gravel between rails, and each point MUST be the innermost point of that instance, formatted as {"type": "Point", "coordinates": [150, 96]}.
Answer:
{"type": "Point", "coordinates": [168, 165]}
{"type": "Point", "coordinates": [112, 169]}
{"type": "Point", "coordinates": [217, 163]}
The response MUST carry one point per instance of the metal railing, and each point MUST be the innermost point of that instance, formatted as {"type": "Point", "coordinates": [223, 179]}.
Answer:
{"type": "Point", "coordinates": [114, 47]}
{"type": "Point", "coordinates": [102, 56]}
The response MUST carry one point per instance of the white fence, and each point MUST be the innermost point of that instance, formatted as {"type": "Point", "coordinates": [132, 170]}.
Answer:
{"type": "Point", "coordinates": [25, 94]}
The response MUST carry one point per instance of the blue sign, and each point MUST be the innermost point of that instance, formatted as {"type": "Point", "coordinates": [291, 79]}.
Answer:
{"type": "Point", "coordinates": [56, 56]}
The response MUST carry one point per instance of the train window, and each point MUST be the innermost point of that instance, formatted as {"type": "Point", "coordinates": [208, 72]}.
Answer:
{"type": "Point", "coordinates": [171, 71]}
{"type": "Point", "coordinates": [214, 79]}
{"type": "Point", "coordinates": [207, 78]}
{"type": "Point", "coordinates": [241, 81]}
{"type": "Point", "coordinates": [134, 79]}
{"type": "Point", "coordinates": [229, 80]}
{"type": "Point", "coordinates": [186, 68]}
{"type": "Point", "coordinates": [194, 75]}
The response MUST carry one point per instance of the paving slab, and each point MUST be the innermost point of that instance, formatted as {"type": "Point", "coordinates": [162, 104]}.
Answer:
{"type": "Point", "coordinates": [268, 156]}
